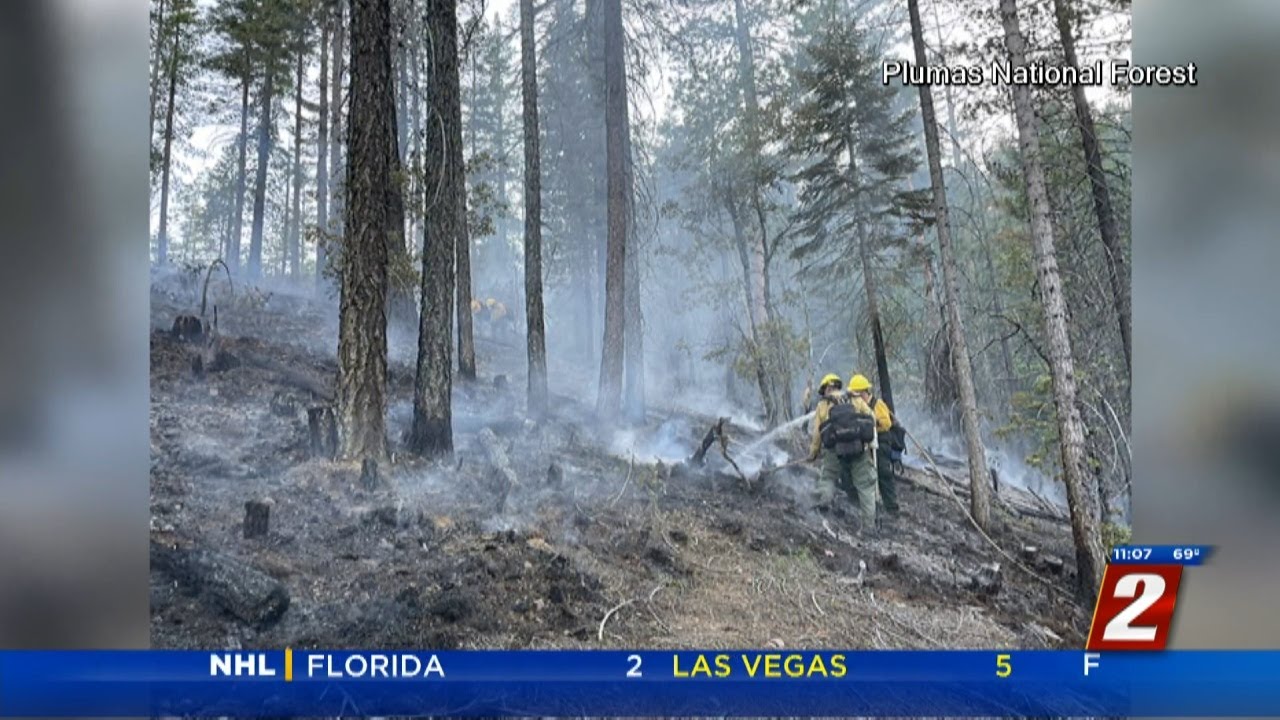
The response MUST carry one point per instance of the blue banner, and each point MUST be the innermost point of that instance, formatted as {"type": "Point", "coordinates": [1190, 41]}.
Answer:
{"type": "Point", "coordinates": [1160, 554]}
{"type": "Point", "coordinates": [595, 683]}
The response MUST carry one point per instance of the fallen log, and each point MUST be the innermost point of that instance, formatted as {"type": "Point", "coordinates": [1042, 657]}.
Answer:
{"type": "Point", "coordinates": [224, 582]}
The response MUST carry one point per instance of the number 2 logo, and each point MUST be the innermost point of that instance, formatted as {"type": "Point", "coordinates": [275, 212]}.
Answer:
{"type": "Point", "coordinates": [1121, 627]}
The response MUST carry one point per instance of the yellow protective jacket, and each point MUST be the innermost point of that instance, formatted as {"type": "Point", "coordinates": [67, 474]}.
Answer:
{"type": "Point", "coordinates": [824, 409]}
{"type": "Point", "coordinates": [884, 418]}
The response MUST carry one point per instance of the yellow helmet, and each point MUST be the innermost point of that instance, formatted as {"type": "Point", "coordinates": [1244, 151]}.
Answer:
{"type": "Point", "coordinates": [859, 383]}
{"type": "Point", "coordinates": [828, 379]}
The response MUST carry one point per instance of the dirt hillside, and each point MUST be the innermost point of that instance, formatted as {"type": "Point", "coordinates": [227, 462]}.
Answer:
{"type": "Point", "coordinates": [553, 535]}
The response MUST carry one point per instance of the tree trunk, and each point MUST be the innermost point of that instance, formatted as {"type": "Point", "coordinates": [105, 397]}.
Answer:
{"type": "Point", "coordinates": [295, 232]}
{"type": "Point", "coordinates": [952, 126]}
{"type": "Point", "coordinates": [751, 108]}
{"type": "Point", "coordinates": [415, 214]}
{"type": "Point", "coordinates": [432, 433]}
{"type": "Point", "coordinates": [242, 161]}
{"type": "Point", "coordinates": [337, 173]}
{"type": "Point", "coordinates": [883, 384]}
{"type": "Point", "coordinates": [162, 241]}
{"type": "Point", "coordinates": [979, 480]}
{"type": "Point", "coordinates": [322, 158]}
{"type": "Point", "coordinates": [1117, 266]}
{"type": "Point", "coordinates": [535, 332]}
{"type": "Point", "coordinates": [260, 182]}
{"type": "Point", "coordinates": [400, 307]}
{"type": "Point", "coordinates": [633, 321]}
{"type": "Point", "coordinates": [1090, 560]}
{"type": "Point", "coordinates": [362, 340]}
{"type": "Point", "coordinates": [615, 120]}
{"type": "Point", "coordinates": [155, 74]}
{"type": "Point", "coordinates": [765, 333]}
{"type": "Point", "coordinates": [402, 99]}
{"type": "Point", "coordinates": [462, 240]}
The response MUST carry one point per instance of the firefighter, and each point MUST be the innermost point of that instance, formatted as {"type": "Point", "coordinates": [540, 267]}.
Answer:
{"type": "Point", "coordinates": [844, 436]}
{"type": "Point", "coordinates": [886, 426]}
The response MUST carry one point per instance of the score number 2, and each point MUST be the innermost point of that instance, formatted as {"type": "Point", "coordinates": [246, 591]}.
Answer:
{"type": "Point", "coordinates": [634, 672]}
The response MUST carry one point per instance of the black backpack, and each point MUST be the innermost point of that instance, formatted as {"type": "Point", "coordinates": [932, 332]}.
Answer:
{"type": "Point", "coordinates": [846, 431]}
{"type": "Point", "coordinates": [896, 436]}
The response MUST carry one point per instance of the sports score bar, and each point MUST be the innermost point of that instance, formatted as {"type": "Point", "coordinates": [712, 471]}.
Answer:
{"type": "Point", "coordinates": [1124, 671]}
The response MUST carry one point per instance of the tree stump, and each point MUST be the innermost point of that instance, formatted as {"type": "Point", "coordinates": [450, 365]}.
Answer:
{"type": "Point", "coordinates": [322, 426]}
{"type": "Point", "coordinates": [369, 479]}
{"type": "Point", "coordinates": [502, 478]}
{"type": "Point", "coordinates": [188, 328]}
{"type": "Point", "coordinates": [224, 582]}
{"type": "Point", "coordinates": [257, 518]}
{"type": "Point", "coordinates": [500, 382]}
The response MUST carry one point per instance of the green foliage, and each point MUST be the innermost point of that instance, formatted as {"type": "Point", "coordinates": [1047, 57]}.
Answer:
{"type": "Point", "coordinates": [1114, 534]}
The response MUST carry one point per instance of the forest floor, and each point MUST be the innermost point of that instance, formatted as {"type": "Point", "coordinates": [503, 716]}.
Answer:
{"type": "Point", "coordinates": [594, 542]}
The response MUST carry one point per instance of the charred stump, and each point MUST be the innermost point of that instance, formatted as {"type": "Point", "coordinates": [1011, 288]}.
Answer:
{"type": "Point", "coordinates": [369, 478]}
{"type": "Point", "coordinates": [257, 519]}
{"type": "Point", "coordinates": [188, 328]}
{"type": "Point", "coordinates": [322, 427]}
{"type": "Point", "coordinates": [499, 482]}
{"type": "Point", "coordinates": [717, 431]}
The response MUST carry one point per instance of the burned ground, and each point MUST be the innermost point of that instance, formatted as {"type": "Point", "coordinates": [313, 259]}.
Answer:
{"type": "Point", "coordinates": [539, 535]}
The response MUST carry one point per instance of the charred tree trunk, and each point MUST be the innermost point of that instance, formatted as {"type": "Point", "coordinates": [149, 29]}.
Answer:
{"type": "Point", "coordinates": [535, 332]}
{"type": "Point", "coordinates": [1090, 559]}
{"type": "Point", "coordinates": [615, 119]}
{"type": "Point", "coordinates": [362, 340]}
{"type": "Point", "coordinates": [295, 231]}
{"type": "Point", "coordinates": [242, 161]}
{"type": "Point", "coordinates": [162, 239]}
{"type": "Point", "coordinates": [883, 383]}
{"type": "Point", "coordinates": [462, 239]}
{"type": "Point", "coordinates": [322, 158]}
{"type": "Point", "coordinates": [400, 308]}
{"type": "Point", "coordinates": [633, 322]}
{"type": "Point", "coordinates": [432, 433]}
{"type": "Point", "coordinates": [1117, 266]}
{"type": "Point", "coordinates": [415, 192]}
{"type": "Point", "coordinates": [979, 481]}
{"type": "Point", "coordinates": [264, 160]}
{"type": "Point", "coordinates": [337, 173]}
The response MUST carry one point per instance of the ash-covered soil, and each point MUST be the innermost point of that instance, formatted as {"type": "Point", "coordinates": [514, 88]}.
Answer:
{"type": "Point", "coordinates": [597, 543]}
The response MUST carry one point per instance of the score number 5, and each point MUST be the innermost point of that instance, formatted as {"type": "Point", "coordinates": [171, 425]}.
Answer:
{"type": "Point", "coordinates": [1003, 667]}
